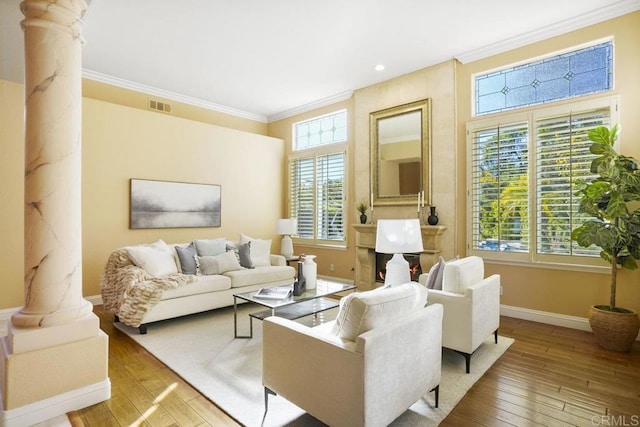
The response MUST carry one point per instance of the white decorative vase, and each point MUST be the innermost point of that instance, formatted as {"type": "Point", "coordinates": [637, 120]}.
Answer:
{"type": "Point", "coordinates": [310, 271]}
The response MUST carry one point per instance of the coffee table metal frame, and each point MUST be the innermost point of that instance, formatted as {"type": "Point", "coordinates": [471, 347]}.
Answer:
{"type": "Point", "coordinates": [311, 302]}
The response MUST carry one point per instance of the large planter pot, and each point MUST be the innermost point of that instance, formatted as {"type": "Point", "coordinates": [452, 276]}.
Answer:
{"type": "Point", "coordinates": [613, 330]}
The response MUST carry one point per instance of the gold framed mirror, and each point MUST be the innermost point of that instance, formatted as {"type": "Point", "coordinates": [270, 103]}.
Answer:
{"type": "Point", "coordinates": [400, 146]}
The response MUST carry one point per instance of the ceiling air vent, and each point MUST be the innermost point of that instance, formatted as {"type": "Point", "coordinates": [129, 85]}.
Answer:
{"type": "Point", "coordinates": [159, 106]}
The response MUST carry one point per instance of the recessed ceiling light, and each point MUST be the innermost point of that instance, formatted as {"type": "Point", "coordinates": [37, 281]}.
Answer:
{"type": "Point", "coordinates": [379, 67]}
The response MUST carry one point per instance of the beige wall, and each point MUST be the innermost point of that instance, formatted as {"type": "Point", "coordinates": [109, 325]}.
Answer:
{"type": "Point", "coordinates": [131, 98]}
{"type": "Point", "coordinates": [11, 194]}
{"type": "Point", "coordinates": [559, 291]}
{"type": "Point", "coordinates": [120, 143]}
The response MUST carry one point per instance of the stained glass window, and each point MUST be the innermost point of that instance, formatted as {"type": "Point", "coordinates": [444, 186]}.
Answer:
{"type": "Point", "coordinates": [579, 72]}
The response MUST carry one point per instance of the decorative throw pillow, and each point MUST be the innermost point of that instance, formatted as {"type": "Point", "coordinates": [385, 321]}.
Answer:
{"type": "Point", "coordinates": [187, 256]}
{"type": "Point", "coordinates": [218, 264]}
{"type": "Point", "coordinates": [260, 252]}
{"type": "Point", "coordinates": [244, 255]}
{"type": "Point", "coordinates": [210, 247]}
{"type": "Point", "coordinates": [434, 278]}
{"type": "Point", "coordinates": [156, 259]}
{"type": "Point", "coordinates": [362, 311]}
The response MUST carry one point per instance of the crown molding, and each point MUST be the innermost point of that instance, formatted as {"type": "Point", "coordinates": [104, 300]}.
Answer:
{"type": "Point", "coordinates": [611, 11]}
{"type": "Point", "coordinates": [150, 90]}
{"type": "Point", "coordinates": [343, 96]}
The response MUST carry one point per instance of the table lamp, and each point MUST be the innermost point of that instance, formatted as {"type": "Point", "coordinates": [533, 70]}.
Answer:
{"type": "Point", "coordinates": [287, 227]}
{"type": "Point", "coordinates": [397, 237]}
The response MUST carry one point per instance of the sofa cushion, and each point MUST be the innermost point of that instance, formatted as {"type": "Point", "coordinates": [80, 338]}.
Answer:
{"type": "Point", "coordinates": [156, 259]}
{"type": "Point", "coordinates": [218, 264]}
{"type": "Point", "coordinates": [187, 257]}
{"type": "Point", "coordinates": [203, 285]}
{"type": "Point", "coordinates": [259, 252]}
{"type": "Point", "coordinates": [362, 311]}
{"type": "Point", "coordinates": [258, 275]}
{"type": "Point", "coordinates": [210, 247]}
{"type": "Point", "coordinates": [458, 275]}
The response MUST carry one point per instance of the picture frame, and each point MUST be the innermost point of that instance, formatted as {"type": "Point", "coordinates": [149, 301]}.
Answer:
{"type": "Point", "coordinates": [170, 204]}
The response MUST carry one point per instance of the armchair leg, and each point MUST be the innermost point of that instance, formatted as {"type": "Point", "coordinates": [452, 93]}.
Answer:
{"type": "Point", "coordinates": [495, 336]}
{"type": "Point", "coordinates": [467, 359]}
{"type": "Point", "coordinates": [116, 318]}
{"type": "Point", "coordinates": [436, 389]}
{"type": "Point", "coordinates": [142, 329]}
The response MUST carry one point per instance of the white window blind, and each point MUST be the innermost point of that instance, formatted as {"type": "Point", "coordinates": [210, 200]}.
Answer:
{"type": "Point", "coordinates": [317, 196]}
{"type": "Point", "coordinates": [329, 196]}
{"type": "Point", "coordinates": [563, 161]}
{"type": "Point", "coordinates": [500, 188]}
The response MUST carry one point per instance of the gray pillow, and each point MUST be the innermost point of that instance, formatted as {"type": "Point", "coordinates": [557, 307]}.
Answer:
{"type": "Point", "coordinates": [244, 254]}
{"type": "Point", "coordinates": [187, 256]}
{"type": "Point", "coordinates": [434, 278]}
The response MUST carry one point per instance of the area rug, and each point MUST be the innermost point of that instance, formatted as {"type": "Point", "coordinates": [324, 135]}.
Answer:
{"type": "Point", "coordinates": [201, 349]}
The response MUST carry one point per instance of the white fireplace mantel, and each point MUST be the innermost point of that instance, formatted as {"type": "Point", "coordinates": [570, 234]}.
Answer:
{"type": "Point", "coordinates": [366, 253]}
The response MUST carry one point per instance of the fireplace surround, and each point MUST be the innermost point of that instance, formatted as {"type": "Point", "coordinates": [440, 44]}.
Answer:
{"type": "Point", "coordinates": [365, 269]}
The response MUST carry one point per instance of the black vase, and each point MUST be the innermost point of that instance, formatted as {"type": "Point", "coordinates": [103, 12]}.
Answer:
{"type": "Point", "coordinates": [300, 285]}
{"type": "Point", "coordinates": [363, 219]}
{"type": "Point", "coordinates": [432, 219]}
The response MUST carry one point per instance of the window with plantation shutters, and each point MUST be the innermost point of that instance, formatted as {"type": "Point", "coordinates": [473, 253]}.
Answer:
{"type": "Point", "coordinates": [500, 161]}
{"type": "Point", "coordinates": [317, 179]}
{"type": "Point", "coordinates": [563, 162]}
{"type": "Point", "coordinates": [524, 171]}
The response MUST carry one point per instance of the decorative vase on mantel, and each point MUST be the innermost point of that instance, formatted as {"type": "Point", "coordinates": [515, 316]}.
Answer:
{"type": "Point", "coordinates": [363, 218]}
{"type": "Point", "coordinates": [432, 219]}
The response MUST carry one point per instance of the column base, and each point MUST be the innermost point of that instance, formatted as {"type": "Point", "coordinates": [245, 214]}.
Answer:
{"type": "Point", "coordinates": [51, 381]}
{"type": "Point", "coordinates": [53, 407]}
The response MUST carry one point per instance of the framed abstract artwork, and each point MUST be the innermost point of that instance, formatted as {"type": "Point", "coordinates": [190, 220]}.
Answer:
{"type": "Point", "coordinates": [166, 204]}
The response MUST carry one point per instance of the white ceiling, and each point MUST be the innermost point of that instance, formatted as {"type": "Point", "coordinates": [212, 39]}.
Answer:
{"type": "Point", "coordinates": [267, 59]}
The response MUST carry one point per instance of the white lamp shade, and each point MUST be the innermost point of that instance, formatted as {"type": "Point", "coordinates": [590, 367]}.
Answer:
{"type": "Point", "coordinates": [287, 226]}
{"type": "Point", "coordinates": [398, 236]}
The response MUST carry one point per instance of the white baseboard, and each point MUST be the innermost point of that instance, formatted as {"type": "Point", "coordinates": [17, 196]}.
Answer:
{"type": "Point", "coordinates": [47, 409]}
{"type": "Point", "coordinates": [573, 322]}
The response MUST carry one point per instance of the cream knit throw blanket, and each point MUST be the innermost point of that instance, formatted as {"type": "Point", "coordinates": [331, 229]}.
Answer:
{"type": "Point", "coordinates": [130, 292]}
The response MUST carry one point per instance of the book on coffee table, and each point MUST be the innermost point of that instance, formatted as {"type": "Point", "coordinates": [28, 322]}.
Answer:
{"type": "Point", "coordinates": [276, 292]}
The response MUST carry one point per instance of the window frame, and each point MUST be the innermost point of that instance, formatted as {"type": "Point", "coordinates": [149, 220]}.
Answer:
{"type": "Point", "coordinates": [530, 116]}
{"type": "Point", "coordinates": [314, 152]}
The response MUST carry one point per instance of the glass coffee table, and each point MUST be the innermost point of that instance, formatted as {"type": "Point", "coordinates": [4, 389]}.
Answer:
{"type": "Point", "coordinates": [294, 307]}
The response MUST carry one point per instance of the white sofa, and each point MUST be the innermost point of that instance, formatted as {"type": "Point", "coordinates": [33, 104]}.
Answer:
{"type": "Point", "coordinates": [381, 354]}
{"type": "Point", "coordinates": [144, 283]}
{"type": "Point", "coordinates": [471, 304]}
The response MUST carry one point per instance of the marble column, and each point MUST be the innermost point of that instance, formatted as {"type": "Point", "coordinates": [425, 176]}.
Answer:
{"type": "Point", "coordinates": [55, 356]}
{"type": "Point", "coordinates": [53, 126]}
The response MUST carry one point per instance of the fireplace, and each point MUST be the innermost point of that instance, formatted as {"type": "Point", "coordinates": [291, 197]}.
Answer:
{"type": "Point", "coordinates": [412, 259]}
{"type": "Point", "coordinates": [365, 268]}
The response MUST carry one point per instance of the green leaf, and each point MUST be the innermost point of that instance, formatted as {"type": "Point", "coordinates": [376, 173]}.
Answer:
{"type": "Point", "coordinates": [599, 148]}
{"type": "Point", "coordinates": [616, 206]}
{"type": "Point", "coordinates": [606, 238]}
{"type": "Point", "coordinates": [599, 134]}
{"type": "Point", "coordinates": [628, 262]}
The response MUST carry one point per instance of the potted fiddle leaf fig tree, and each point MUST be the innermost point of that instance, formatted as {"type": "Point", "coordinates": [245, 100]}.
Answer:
{"type": "Point", "coordinates": [612, 200]}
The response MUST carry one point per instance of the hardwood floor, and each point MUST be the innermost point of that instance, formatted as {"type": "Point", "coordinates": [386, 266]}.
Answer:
{"type": "Point", "coordinates": [550, 376]}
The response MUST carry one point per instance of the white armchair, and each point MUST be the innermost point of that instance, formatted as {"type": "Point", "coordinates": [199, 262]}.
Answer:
{"type": "Point", "coordinates": [471, 305]}
{"type": "Point", "coordinates": [367, 381]}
